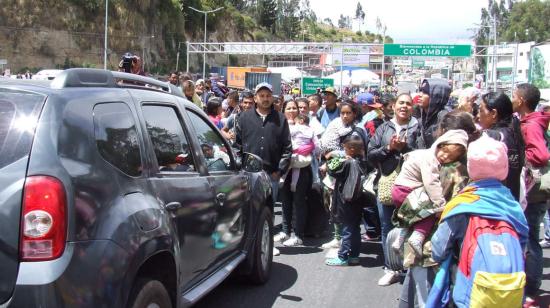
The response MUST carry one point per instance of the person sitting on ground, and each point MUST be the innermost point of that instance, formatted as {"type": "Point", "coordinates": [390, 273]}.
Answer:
{"type": "Point", "coordinates": [419, 177]}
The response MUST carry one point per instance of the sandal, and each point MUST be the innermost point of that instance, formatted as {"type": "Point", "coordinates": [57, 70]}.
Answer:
{"type": "Point", "coordinates": [336, 262]}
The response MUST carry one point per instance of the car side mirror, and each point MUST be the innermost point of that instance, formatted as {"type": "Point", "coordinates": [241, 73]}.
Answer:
{"type": "Point", "coordinates": [252, 162]}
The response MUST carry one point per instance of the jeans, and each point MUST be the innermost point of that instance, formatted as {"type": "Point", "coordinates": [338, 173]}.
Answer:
{"type": "Point", "coordinates": [547, 226]}
{"type": "Point", "coordinates": [274, 191]}
{"type": "Point", "coordinates": [533, 260]}
{"type": "Point", "coordinates": [371, 221]}
{"type": "Point", "coordinates": [416, 287]}
{"type": "Point", "coordinates": [385, 212]}
{"type": "Point", "coordinates": [351, 239]}
{"type": "Point", "coordinates": [296, 202]}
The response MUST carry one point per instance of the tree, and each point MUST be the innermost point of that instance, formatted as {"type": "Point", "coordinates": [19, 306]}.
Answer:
{"type": "Point", "coordinates": [528, 21]}
{"type": "Point", "coordinates": [328, 21]}
{"type": "Point", "coordinates": [344, 22]}
{"type": "Point", "coordinates": [267, 14]}
{"type": "Point", "coordinates": [359, 13]}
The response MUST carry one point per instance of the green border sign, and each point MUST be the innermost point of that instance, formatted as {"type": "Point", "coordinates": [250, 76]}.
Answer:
{"type": "Point", "coordinates": [310, 85]}
{"type": "Point", "coordinates": [427, 50]}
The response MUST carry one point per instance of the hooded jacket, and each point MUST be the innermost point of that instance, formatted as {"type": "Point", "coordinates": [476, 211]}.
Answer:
{"type": "Point", "coordinates": [439, 91]}
{"type": "Point", "coordinates": [421, 167]}
{"type": "Point", "coordinates": [533, 128]}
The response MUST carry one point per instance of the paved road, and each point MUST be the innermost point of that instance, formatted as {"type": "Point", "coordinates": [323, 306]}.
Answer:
{"type": "Point", "coordinates": [300, 279]}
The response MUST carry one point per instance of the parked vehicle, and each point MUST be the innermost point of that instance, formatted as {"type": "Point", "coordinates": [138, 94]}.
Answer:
{"type": "Point", "coordinates": [46, 74]}
{"type": "Point", "coordinates": [117, 192]}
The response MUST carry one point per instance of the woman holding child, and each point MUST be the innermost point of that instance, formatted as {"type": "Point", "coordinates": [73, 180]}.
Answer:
{"type": "Point", "coordinates": [297, 182]}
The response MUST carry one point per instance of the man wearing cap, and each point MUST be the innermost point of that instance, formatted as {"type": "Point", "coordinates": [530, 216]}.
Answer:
{"type": "Point", "coordinates": [369, 108]}
{"type": "Point", "coordinates": [264, 132]}
{"type": "Point", "coordinates": [330, 111]}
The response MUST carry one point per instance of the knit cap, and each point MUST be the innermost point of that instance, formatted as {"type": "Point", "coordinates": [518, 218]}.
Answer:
{"type": "Point", "coordinates": [487, 158]}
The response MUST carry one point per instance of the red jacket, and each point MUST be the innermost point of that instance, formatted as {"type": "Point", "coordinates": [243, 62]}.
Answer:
{"type": "Point", "coordinates": [533, 128]}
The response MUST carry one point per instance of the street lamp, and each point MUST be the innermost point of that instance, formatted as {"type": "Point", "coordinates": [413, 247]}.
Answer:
{"type": "Point", "coordinates": [106, 22]}
{"type": "Point", "coordinates": [204, 47]}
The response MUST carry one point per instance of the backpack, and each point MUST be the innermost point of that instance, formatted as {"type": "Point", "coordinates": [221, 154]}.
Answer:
{"type": "Point", "coordinates": [490, 267]}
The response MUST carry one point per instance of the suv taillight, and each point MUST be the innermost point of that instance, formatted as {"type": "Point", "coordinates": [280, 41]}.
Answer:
{"type": "Point", "coordinates": [43, 220]}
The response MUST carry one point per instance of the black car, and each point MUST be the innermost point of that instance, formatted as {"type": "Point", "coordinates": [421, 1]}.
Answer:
{"type": "Point", "coordinates": [115, 191]}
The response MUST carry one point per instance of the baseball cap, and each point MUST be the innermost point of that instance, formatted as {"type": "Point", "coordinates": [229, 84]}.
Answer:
{"type": "Point", "coordinates": [368, 99]}
{"type": "Point", "coordinates": [330, 90]}
{"type": "Point", "coordinates": [263, 85]}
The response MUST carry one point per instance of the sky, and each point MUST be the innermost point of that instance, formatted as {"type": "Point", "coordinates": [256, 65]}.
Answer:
{"type": "Point", "coordinates": [410, 21]}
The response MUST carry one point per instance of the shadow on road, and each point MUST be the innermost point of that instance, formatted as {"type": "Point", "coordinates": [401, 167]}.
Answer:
{"type": "Point", "coordinates": [232, 292]}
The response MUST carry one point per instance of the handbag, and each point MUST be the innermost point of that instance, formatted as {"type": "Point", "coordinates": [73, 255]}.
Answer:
{"type": "Point", "coordinates": [385, 185]}
{"type": "Point", "coordinates": [368, 182]}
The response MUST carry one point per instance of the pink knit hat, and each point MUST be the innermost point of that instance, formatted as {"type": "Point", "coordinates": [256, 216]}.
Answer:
{"type": "Point", "coordinates": [487, 159]}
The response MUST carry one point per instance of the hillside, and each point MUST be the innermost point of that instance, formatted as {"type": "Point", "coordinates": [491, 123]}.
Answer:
{"type": "Point", "coordinates": [70, 33]}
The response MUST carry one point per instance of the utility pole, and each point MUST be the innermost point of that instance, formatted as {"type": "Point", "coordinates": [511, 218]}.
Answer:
{"type": "Point", "coordinates": [204, 47]}
{"type": "Point", "coordinates": [105, 45]}
{"type": "Point", "coordinates": [383, 58]}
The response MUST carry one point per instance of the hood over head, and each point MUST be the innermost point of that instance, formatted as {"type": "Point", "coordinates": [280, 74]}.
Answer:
{"type": "Point", "coordinates": [453, 136]}
{"type": "Point", "coordinates": [439, 91]}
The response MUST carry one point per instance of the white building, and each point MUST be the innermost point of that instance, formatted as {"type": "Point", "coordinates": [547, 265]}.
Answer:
{"type": "Point", "coordinates": [505, 64]}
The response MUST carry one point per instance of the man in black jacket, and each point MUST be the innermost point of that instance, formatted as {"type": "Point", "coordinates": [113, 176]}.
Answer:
{"type": "Point", "coordinates": [264, 132]}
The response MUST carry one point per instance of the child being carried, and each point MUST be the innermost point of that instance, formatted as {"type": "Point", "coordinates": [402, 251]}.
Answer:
{"type": "Point", "coordinates": [419, 182]}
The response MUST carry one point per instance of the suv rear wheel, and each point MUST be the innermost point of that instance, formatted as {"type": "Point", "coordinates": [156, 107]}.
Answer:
{"type": "Point", "coordinates": [149, 293]}
{"type": "Point", "coordinates": [262, 253]}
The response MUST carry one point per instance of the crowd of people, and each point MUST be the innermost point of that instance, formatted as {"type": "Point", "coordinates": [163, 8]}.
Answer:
{"type": "Point", "coordinates": [454, 189]}
{"type": "Point", "coordinates": [449, 191]}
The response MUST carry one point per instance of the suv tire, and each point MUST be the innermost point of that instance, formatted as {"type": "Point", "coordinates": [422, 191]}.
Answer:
{"type": "Point", "coordinates": [148, 293]}
{"type": "Point", "coordinates": [262, 252]}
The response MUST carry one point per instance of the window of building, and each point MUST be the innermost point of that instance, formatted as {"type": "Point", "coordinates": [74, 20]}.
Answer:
{"type": "Point", "coordinates": [170, 145]}
{"type": "Point", "coordinates": [215, 151]}
{"type": "Point", "coordinates": [116, 137]}
{"type": "Point", "coordinates": [520, 71]}
{"type": "Point", "coordinates": [521, 54]}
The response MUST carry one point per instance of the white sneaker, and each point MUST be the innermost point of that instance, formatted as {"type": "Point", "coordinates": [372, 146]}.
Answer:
{"type": "Point", "coordinates": [293, 241]}
{"type": "Point", "coordinates": [280, 237]}
{"type": "Point", "coordinates": [390, 277]}
{"type": "Point", "coordinates": [276, 252]}
{"type": "Point", "coordinates": [332, 244]}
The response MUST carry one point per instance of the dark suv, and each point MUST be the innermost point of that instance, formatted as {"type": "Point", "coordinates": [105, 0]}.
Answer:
{"type": "Point", "coordinates": [115, 191]}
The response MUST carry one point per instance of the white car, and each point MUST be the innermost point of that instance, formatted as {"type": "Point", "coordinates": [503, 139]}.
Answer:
{"type": "Point", "coordinates": [46, 74]}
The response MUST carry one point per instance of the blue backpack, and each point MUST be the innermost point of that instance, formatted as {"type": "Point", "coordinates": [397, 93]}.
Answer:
{"type": "Point", "coordinates": [490, 267]}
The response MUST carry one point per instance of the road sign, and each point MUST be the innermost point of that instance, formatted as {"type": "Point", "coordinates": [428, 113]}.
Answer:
{"type": "Point", "coordinates": [310, 85]}
{"type": "Point", "coordinates": [398, 62]}
{"type": "Point", "coordinates": [418, 63]}
{"type": "Point", "coordinates": [427, 50]}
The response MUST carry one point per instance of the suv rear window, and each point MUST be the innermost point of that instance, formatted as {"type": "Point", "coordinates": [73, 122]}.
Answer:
{"type": "Point", "coordinates": [116, 137]}
{"type": "Point", "coordinates": [19, 111]}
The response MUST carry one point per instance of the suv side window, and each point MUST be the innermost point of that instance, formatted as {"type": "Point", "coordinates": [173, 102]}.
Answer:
{"type": "Point", "coordinates": [169, 142]}
{"type": "Point", "coordinates": [116, 137]}
{"type": "Point", "coordinates": [214, 149]}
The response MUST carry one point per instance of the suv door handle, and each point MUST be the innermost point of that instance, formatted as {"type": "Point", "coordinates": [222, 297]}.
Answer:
{"type": "Point", "coordinates": [172, 206]}
{"type": "Point", "coordinates": [221, 197]}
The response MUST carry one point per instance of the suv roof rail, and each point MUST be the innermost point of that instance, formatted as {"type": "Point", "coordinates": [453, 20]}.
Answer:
{"type": "Point", "coordinates": [89, 77]}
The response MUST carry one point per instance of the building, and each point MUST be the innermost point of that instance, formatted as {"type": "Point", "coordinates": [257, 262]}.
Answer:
{"type": "Point", "coordinates": [509, 56]}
